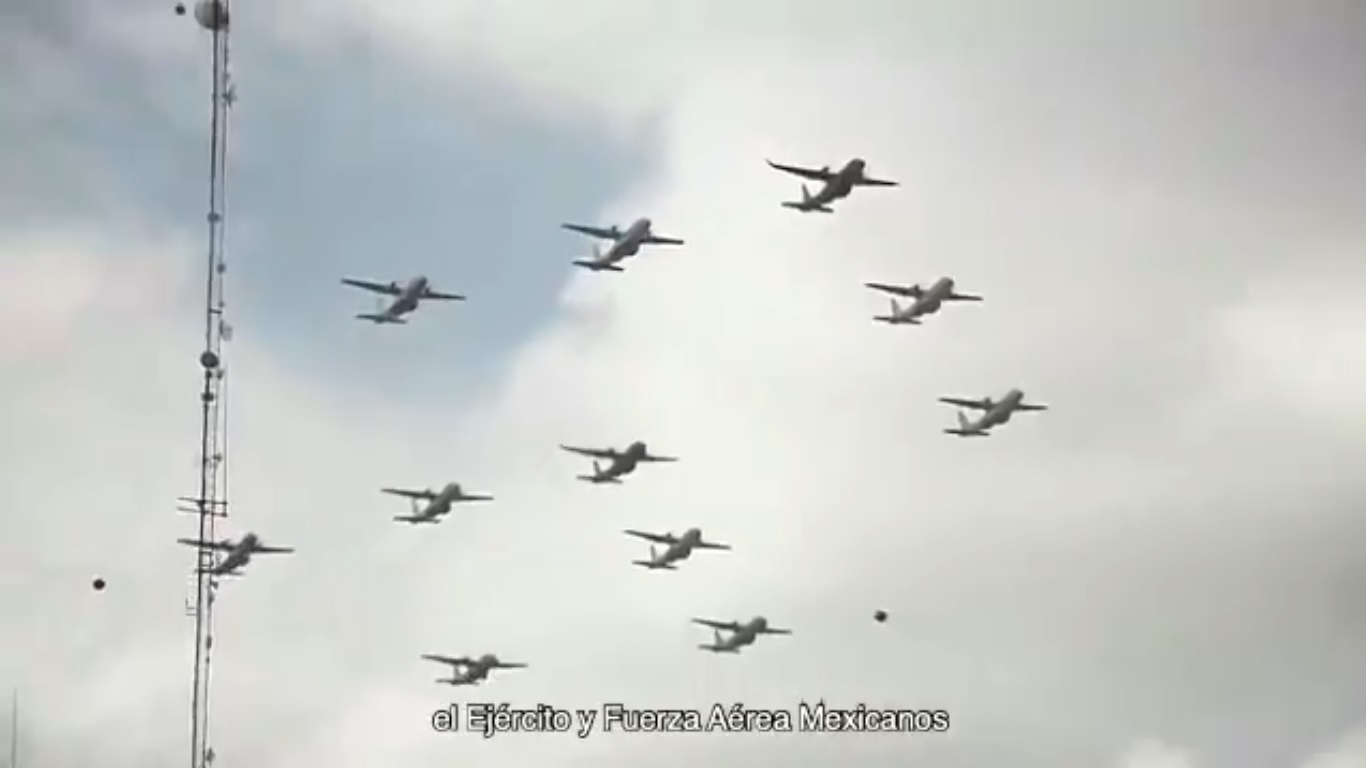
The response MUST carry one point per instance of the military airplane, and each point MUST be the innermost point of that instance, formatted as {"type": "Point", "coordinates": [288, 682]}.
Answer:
{"type": "Point", "coordinates": [676, 547]}
{"type": "Point", "coordinates": [622, 462]}
{"type": "Point", "coordinates": [429, 505]}
{"type": "Point", "coordinates": [741, 635]}
{"type": "Point", "coordinates": [239, 553]}
{"type": "Point", "coordinates": [405, 298]}
{"type": "Point", "coordinates": [836, 185]}
{"type": "Point", "coordinates": [926, 301]}
{"type": "Point", "coordinates": [625, 243]}
{"type": "Point", "coordinates": [470, 671]}
{"type": "Point", "coordinates": [993, 413]}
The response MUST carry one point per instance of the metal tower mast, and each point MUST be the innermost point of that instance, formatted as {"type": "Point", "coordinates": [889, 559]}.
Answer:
{"type": "Point", "coordinates": [210, 503]}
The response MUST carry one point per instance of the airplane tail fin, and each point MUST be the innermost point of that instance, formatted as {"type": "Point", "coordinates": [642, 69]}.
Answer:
{"type": "Point", "coordinates": [654, 563]}
{"type": "Point", "coordinates": [717, 645]}
{"type": "Point", "coordinates": [807, 204]}
{"type": "Point", "coordinates": [598, 476]}
{"type": "Point", "coordinates": [894, 316]}
{"type": "Point", "coordinates": [965, 428]}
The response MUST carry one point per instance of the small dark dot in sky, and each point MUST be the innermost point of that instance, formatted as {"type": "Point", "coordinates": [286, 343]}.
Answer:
{"type": "Point", "coordinates": [880, 615]}
{"type": "Point", "coordinates": [98, 584]}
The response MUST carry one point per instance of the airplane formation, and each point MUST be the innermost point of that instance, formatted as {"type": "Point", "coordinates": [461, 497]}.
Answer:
{"type": "Point", "coordinates": [611, 466]}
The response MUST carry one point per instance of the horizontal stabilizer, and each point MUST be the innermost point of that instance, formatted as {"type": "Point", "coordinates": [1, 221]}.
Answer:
{"type": "Point", "coordinates": [413, 520]}
{"type": "Point", "coordinates": [807, 208]}
{"type": "Point", "coordinates": [382, 319]}
{"type": "Point", "coordinates": [654, 566]}
{"type": "Point", "coordinates": [599, 267]}
{"type": "Point", "coordinates": [599, 479]}
{"type": "Point", "coordinates": [967, 433]}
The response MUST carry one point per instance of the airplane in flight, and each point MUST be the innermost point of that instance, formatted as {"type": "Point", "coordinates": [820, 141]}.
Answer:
{"type": "Point", "coordinates": [925, 301]}
{"type": "Point", "coordinates": [239, 553]}
{"type": "Point", "coordinates": [622, 462]}
{"type": "Point", "coordinates": [468, 671]}
{"type": "Point", "coordinates": [741, 635]}
{"type": "Point", "coordinates": [836, 185]}
{"type": "Point", "coordinates": [405, 297]}
{"type": "Point", "coordinates": [993, 413]}
{"type": "Point", "coordinates": [429, 505]}
{"type": "Point", "coordinates": [676, 547]}
{"type": "Point", "coordinates": [625, 243]}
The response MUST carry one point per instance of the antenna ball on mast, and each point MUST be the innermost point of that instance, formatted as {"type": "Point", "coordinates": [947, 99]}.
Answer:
{"type": "Point", "coordinates": [211, 14]}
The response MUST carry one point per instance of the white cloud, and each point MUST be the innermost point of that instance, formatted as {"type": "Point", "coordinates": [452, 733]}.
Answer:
{"type": "Point", "coordinates": [1350, 752]}
{"type": "Point", "coordinates": [1159, 551]}
{"type": "Point", "coordinates": [1153, 754]}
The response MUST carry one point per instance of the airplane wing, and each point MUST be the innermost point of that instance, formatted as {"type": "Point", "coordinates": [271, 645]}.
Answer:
{"type": "Point", "coordinates": [866, 182]}
{"type": "Point", "coordinates": [814, 174]}
{"type": "Point", "coordinates": [710, 545]}
{"type": "Point", "coordinates": [657, 240]}
{"type": "Point", "coordinates": [596, 453]}
{"type": "Point", "coordinates": [264, 550]}
{"type": "Point", "coordinates": [217, 546]}
{"type": "Point", "coordinates": [909, 291]}
{"type": "Point", "coordinates": [648, 457]}
{"type": "Point", "coordinates": [603, 233]}
{"type": "Point", "coordinates": [654, 538]}
{"type": "Point", "coordinates": [729, 626]}
{"type": "Point", "coordinates": [460, 661]}
{"type": "Point", "coordinates": [772, 631]}
{"type": "Point", "coordinates": [1029, 407]}
{"type": "Point", "coordinates": [508, 665]}
{"type": "Point", "coordinates": [430, 295]}
{"type": "Point", "coordinates": [981, 405]}
{"type": "Point", "coordinates": [471, 497]}
{"type": "Point", "coordinates": [388, 289]}
{"type": "Point", "coordinates": [420, 495]}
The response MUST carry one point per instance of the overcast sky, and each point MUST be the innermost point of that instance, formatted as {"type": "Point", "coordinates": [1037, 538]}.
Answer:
{"type": "Point", "coordinates": [1161, 202]}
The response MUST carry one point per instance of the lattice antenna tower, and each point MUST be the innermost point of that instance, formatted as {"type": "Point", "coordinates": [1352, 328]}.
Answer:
{"type": "Point", "coordinates": [210, 504]}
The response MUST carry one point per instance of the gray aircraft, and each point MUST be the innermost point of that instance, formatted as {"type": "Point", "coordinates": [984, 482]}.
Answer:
{"type": "Point", "coordinates": [429, 505]}
{"type": "Point", "coordinates": [624, 243]}
{"type": "Point", "coordinates": [926, 301]}
{"type": "Point", "coordinates": [406, 298]}
{"type": "Point", "coordinates": [622, 462]}
{"type": "Point", "coordinates": [470, 671]}
{"type": "Point", "coordinates": [836, 185]}
{"type": "Point", "coordinates": [741, 635]}
{"type": "Point", "coordinates": [676, 548]}
{"type": "Point", "coordinates": [238, 553]}
{"type": "Point", "coordinates": [994, 413]}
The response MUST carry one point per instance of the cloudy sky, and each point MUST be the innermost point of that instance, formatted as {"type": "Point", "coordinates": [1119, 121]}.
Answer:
{"type": "Point", "coordinates": [1161, 202]}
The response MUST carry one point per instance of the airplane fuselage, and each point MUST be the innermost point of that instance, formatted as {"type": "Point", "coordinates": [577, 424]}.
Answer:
{"type": "Point", "coordinates": [409, 298]}
{"type": "Point", "coordinates": [628, 244]}
{"type": "Point", "coordinates": [238, 557]}
{"type": "Point", "coordinates": [841, 185]}
{"type": "Point", "coordinates": [1001, 411]}
{"type": "Point", "coordinates": [441, 504]}
{"type": "Point", "coordinates": [932, 299]}
{"type": "Point", "coordinates": [625, 462]}
{"type": "Point", "coordinates": [681, 549]}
